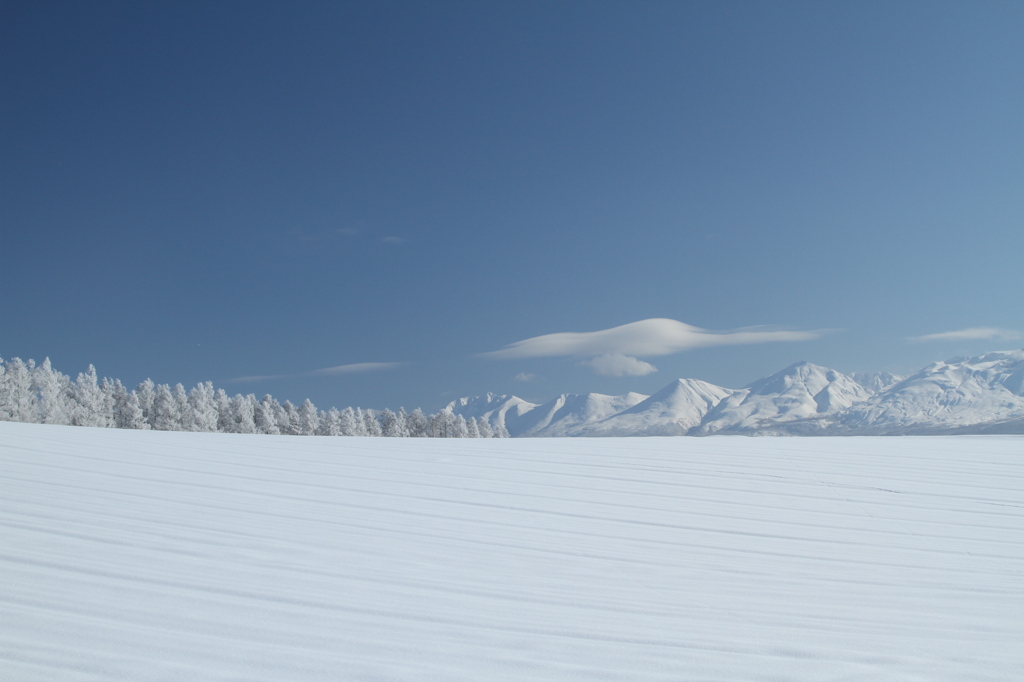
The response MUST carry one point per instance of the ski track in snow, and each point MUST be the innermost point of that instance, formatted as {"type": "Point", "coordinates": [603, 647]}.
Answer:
{"type": "Point", "coordinates": [130, 555]}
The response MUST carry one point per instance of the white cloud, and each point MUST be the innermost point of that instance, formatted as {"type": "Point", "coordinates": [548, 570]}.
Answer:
{"type": "Point", "coordinates": [354, 368]}
{"type": "Point", "coordinates": [260, 377]}
{"type": "Point", "coordinates": [326, 371]}
{"type": "Point", "coordinates": [525, 377]}
{"type": "Point", "coordinates": [657, 336]}
{"type": "Point", "coordinates": [616, 365]}
{"type": "Point", "coordinates": [972, 334]}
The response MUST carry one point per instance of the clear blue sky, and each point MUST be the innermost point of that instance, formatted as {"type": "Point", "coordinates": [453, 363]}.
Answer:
{"type": "Point", "coordinates": [200, 191]}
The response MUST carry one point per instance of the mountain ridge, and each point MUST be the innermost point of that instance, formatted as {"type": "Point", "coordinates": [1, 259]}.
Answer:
{"type": "Point", "coordinates": [982, 394]}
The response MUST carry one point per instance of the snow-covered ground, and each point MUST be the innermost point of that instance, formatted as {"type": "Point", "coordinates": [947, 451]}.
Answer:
{"type": "Point", "coordinates": [139, 555]}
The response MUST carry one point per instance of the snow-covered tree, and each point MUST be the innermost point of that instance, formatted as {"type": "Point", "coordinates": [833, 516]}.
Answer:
{"type": "Point", "coordinates": [416, 424]}
{"type": "Point", "coordinates": [54, 392]}
{"type": "Point", "coordinates": [309, 419]}
{"type": "Point", "coordinates": [92, 407]}
{"type": "Point", "coordinates": [348, 424]}
{"type": "Point", "coordinates": [483, 428]}
{"type": "Point", "coordinates": [202, 404]}
{"type": "Point", "coordinates": [17, 401]}
{"type": "Point", "coordinates": [130, 414]}
{"type": "Point", "coordinates": [330, 423]}
{"type": "Point", "coordinates": [146, 392]}
{"type": "Point", "coordinates": [392, 424]}
{"type": "Point", "coordinates": [266, 416]}
{"type": "Point", "coordinates": [372, 427]}
{"type": "Point", "coordinates": [243, 412]}
{"type": "Point", "coordinates": [288, 419]}
{"type": "Point", "coordinates": [164, 415]}
{"type": "Point", "coordinates": [472, 431]}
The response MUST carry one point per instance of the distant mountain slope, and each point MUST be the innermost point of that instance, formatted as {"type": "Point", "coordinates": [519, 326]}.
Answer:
{"type": "Point", "coordinates": [984, 394]}
{"type": "Point", "coordinates": [672, 411]}
{"type": "Point", "coordinates": [569, 413]}
{"type": "Point", "coordinates": [800, 391]}
{"type": "Point", "coordinates": [951, 395]}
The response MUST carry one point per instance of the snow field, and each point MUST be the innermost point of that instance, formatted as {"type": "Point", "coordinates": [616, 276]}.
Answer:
{"type": "Point", "coordinates": [141, 555]}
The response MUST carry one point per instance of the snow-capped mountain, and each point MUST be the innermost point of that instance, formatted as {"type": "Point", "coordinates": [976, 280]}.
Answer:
{"type": "Point", "coordinates": [799, 392]}
{"type": "Point", "coordinates": [955, 395]}
{"type": "Point", "coordinates": [984, 394]}
{"type": "Point", "coordinates": [672, 411]}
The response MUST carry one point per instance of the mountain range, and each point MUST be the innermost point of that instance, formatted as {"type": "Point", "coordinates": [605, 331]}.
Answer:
{"type": "Point", "coordinates": [983, 394]}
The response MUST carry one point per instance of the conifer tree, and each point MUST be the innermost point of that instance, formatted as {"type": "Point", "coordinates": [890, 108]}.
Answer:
{"type": "Point", "coordinates": [164, 413]}
{"type": "Point", "coordinates": [203, 406]}
{"type": "Point", "coordinates": [17, 402]}
{"type": "Point", "coordinates": [54, 391]}
{"type": "Point", "coordinates": [266, 416]}
{"type": "Point", "coordinates": [416, 424]}
{"type": "Point", "coordinates": [309, 419]}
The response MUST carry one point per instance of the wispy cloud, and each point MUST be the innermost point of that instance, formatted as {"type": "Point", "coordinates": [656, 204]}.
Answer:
{"type": "Point", "coordinates": [652, 337]}
{"type": "Point", "coordinates": [971, 334]}
{"type": "Point", "coordinates": [615, 365]}
{"type": "Point", "coordinates": [354, 368]}
{"type": "Point", "coordinates": [259, 377]}
{"type": "Point", "coordinates": [525, 377]}
{"type": "Point", "coordinates": [395, 241]}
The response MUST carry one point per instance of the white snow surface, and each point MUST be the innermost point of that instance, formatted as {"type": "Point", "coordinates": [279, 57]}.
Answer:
{"type": "Point", "coordinates": [142, 555]}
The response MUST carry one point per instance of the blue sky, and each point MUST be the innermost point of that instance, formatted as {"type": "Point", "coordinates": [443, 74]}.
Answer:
{"type": "Point", "coordinates": [255, 193]}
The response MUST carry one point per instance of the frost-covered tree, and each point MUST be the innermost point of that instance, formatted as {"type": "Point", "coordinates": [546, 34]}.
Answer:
{"type": "Point", "coordinates": [472, 431]}
{"type": "Point", "coordinates": [392, 424]}
{"type": "Point", "coordinates": [483, 428]}
{"type": "Point", "coordinates": [266, 416]}
{"type": "Point", "coordinates": [164, 415]}
{"type": "Point", "coordinates": [186, 418]}
{"type": "Point", "coordinates": [243, 412]}
{"type": "Point", "coordinates": [131, 415]}
{"type": "Point", "coordinates": [288, 419]}
{"type": "Point", "coordinates": [54, 393]}
{"type": "Point", "coordinates": [347, 422]}
{"type": "Point", "coordinates": [203, 407]}
{"type": "Point", "coordinates": [92, 407]}
{"type": "Point", "coordinates": [461, 429]}
{"type": "Point", "coordinates": [225, 413]}
{"type": "Point", "coordinates": [330, 423]}
{"type": "Point", "coordinates": [17, 401]}
{"type": "Point", "coordinates": [309, 419]}
{"type": "Point", "coordinates": [416, 424]}
{"type": "Point", "coordinates": [146, 392]}
{"type": "Point", "coordinates": [372, 427]}
{"type": "Point", "coordinates": [442, 425]}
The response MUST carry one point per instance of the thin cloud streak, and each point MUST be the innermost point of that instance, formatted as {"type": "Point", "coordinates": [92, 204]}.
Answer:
{"type": "Point", "coordinates": [354, 368]}
{"type": "Point", "coordinates": [658, 336]}
{"type": "Point", "coordinates": [970, 334]}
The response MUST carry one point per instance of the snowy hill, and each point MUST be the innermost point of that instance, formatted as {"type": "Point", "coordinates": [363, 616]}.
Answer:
{"type": "Point", "coordinates": [161, 555]}
{"type": "Point", "coordinates": [963, 395]}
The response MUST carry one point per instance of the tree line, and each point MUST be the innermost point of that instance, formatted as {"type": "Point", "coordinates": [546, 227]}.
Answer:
{"type": "Point", "coordinates": [42, 395]}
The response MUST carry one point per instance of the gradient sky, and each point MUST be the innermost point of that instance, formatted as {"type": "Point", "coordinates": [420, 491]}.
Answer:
{"type": "Point", "coordinates": [215, 191]}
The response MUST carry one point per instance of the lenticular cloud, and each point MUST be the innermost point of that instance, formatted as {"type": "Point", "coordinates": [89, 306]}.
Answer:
{"type": "Point", "coordinates": [615, 365]}
{"type": "Point", "coordinates": [657, 336]}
